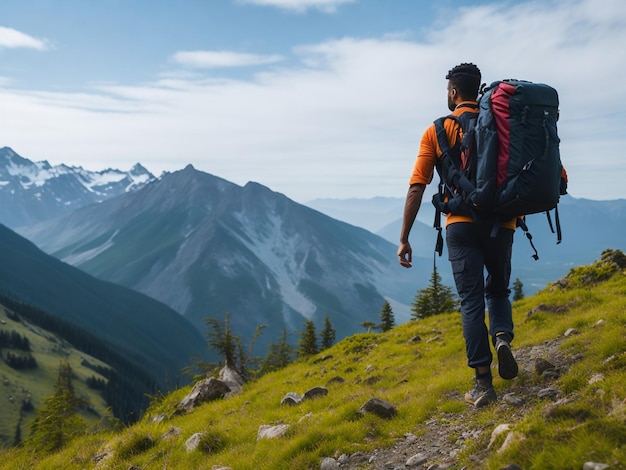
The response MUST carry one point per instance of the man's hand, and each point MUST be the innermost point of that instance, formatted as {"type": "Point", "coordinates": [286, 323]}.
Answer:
{"type": "Point", "coordinates": [405, 254]}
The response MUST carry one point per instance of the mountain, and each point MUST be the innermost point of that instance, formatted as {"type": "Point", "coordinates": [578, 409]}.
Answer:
{"type": "Point", "coordinates": [31, 192]}
{"type": "Point", "coordinates": [147, 332]}
{"type": "Point", "coordinates": [205, 246]}
{"type": "Point", "coordinates": [588, 226]}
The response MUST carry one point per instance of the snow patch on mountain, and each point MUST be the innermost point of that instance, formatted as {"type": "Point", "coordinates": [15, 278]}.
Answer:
{"type": "Point", "coordinates": [276, 251]}
{"type": "Point", "coordinates": [76, 259]}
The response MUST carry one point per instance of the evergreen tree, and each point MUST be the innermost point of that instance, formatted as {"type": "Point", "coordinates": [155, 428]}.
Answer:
{"type": "Point", "coordinates": [518, 290]}
{"type": "Point", "coordinates": [222, 339]}
{"type": "Point", "coordinates": [308, 340]}
{"type": "Point", "coordinates": [280, 355]}
{"type": "Point", "coordinates": [434, 299]}
{"type": "Point", "coordinates": [328, 334]}
{"type": "Point", "coordinates": [58, 422]}
{"type": "Point", "coordinates": [229, 345]}
{"type": "Point", "coordinates": [387, 320]}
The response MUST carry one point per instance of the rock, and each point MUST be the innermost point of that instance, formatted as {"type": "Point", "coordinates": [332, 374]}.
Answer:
{"type": "Point", "coordinates": [203, 391]}
{"type": "Point", "coordinates": [329, 464]}
{"type": "Point", "coordinates": [291, 399]}
{"type": "Point", "coordinates": [271, 432]}
{"type": "Point", "coordinates": [379, 407]}
{"type": "Point", "coordinates": [595, 466]}
{"type": "Point", "coordinates": [549, 392]}
{"type": "Point", "coordinates": [511, 438]}
{"type": "Point", "coordinates": [194, 441]}
{"type": "Point", "coordinates": [512, 466]}
{"type": "Point", "coordinates": [550, 374]}
{"type": "Point", "coordinates": [417, 459]}
{"type": "Point", "coordinates": [415, 339]}
{"type": "Point", "coordinates": [232, 379]}
{"type": "Point", "coordinates": [315, 392]}
{"type": "Point", "coordinates": [335, 380]}
{"type": "Point", "coordinates": [541, 365]}
{"type": "Point", "coordinates": [571, 332]}
{"type": "Point", "coordinates": [513, 400]}
{"type": "Point", "coordinates": [499, 430]}
{"type": "Point", "coordinates": [596, 378]}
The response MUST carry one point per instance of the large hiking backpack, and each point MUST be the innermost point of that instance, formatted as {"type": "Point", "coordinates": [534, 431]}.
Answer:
{"type": "Point", "coordinates": [507, 164]}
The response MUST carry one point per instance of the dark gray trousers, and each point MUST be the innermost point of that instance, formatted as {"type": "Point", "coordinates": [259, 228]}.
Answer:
{"type": "Point", "coordinates": [471, 250]}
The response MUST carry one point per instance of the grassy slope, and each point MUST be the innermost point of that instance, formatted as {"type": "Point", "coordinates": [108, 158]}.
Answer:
{"type": "Point", "coordinates": [424, 379]}
{"type": "Point", "coordinates": [36, 384]}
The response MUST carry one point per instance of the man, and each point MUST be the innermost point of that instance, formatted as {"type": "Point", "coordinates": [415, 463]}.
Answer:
{"type": "Point", "coordinates": [471, 249]}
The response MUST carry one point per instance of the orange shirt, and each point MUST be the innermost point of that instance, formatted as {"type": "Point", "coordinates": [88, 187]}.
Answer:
{"type": "Point", "coordinates": [429, 152]}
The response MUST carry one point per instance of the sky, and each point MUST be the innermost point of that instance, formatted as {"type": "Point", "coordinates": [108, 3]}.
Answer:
{"type": "Point", "coordinates": [312, 98]}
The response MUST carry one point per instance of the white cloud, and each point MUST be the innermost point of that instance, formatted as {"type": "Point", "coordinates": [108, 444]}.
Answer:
{"type": "Point", "coordinates": [11, 38]}
{"type": "Point", "coordinates": [216, 59]}
{"type": "Point", "coordinates": [347, 121]}
{"type": "Point", "coordinates": [301, 6]}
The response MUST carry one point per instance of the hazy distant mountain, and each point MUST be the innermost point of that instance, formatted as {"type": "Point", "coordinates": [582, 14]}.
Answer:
{"type": "Point", "coordinates": [150, 334]}
{"type": "Point", "coordinates": [588, 227]}
{"type": "Point", "coordinates": [32, 192]}
{"type": "Point", "coordinates": [206, 246]}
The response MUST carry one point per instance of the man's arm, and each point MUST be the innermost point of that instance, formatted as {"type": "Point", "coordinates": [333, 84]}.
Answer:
{"type": "Point", "coordinates": [411, 207]}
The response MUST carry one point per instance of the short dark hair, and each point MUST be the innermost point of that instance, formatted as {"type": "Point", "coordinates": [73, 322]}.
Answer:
{"type": "Point", "coordinates": [466, 79]}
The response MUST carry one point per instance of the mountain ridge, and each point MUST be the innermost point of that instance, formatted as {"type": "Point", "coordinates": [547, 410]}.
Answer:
{"type": "Point", "coordinates": [206, 246]}
{"type": "Point", "coordinates": [34, 191]}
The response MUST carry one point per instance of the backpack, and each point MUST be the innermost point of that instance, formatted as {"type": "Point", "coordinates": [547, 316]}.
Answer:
{"type": "Point", "coordinates": [507, 164]}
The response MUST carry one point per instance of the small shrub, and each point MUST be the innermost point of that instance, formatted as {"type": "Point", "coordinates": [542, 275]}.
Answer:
{"type": "Point", "coordinates": [135, 444]}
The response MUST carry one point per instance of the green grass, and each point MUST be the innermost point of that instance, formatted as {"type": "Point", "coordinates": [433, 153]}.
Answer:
{"type": "Point", "coordinates": [37, 384]}
{"type": "Point", "coordinates": [425, 380]}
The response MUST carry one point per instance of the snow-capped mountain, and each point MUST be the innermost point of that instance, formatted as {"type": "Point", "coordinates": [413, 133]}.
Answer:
{"type": "Point", "coordinates": [206, 246]}
{"type": "Point", "coordinates": [31, 192]}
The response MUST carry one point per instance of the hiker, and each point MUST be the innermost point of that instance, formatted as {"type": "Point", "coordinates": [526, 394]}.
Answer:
{"type": "Point", "coordinates": [472, 247]}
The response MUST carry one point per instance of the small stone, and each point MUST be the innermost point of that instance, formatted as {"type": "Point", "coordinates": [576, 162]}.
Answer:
{"type": "Point", "coordinates": [291, 399]}
{"type": "Point", "coordinates": [193, 442]}
{"type": "Point", "coordinates": [541, 365]}
{"type": "Point", "coordinates": [512, 466]}
{"type": "Point", "coordinates": [513, 400]}
{"type": "Point", "coordinates": [415, 339]}
{"type": "Point", "coordinates": [270, 432]}
{"type": "Point", "coordinates": [596, 378]}
{"type": "Point", "coordinates": [500, 429]}
{"type": "Point", "coordinates": [511, 438]}
{"type": "Point", "coordinates": [550, 374]}
{"type": "Point", "coordinates": [417, 459]}
{"type": "Point", "coordinates": [379, 407]}
{"type": "Point", "coordinates": [571, 332]}
{"type": "Point", "coordinates": [549, 392]}
{"type": "Point", "coordinates": [329, 463]}
{"type": "Point", "coordinates": [315, 392]}
{"type": "Point", "coordinates": [595, 466]}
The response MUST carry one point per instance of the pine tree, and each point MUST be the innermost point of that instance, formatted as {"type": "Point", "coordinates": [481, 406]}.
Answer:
{"type": "Point", "coordinates": [222, 339]}
{"type": "Point", "coordinates": [58, 422]}
{"type": "Point", "coordinates": [328, 334]}
{"type": "Point", "coordinates": [280, 355]}
{"type": "Point", "coordinates": [434, 299]}
{"type": "Point", "coordinates": [308, 340]}
{"type": "Point", "coordinates": [518, 290]}
{"type": "Point", "coordinates": [387, 320]}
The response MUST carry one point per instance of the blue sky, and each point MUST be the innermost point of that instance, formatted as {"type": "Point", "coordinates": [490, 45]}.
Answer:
{"type": "Point", "coordinates": [312, 98]}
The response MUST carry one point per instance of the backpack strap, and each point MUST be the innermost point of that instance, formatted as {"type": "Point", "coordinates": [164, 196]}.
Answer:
{"type": "Point", "coordinates": [521, 223]}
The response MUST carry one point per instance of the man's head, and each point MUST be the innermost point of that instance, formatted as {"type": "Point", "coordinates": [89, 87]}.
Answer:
{"type": "Point", "coordinates": [463, 84]}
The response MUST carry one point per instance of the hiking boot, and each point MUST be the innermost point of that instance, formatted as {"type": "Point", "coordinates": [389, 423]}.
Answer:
{"type": "Point", "coordinates": [507, 366]}
{"type": "Point", "coordinates": [481, 395]}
